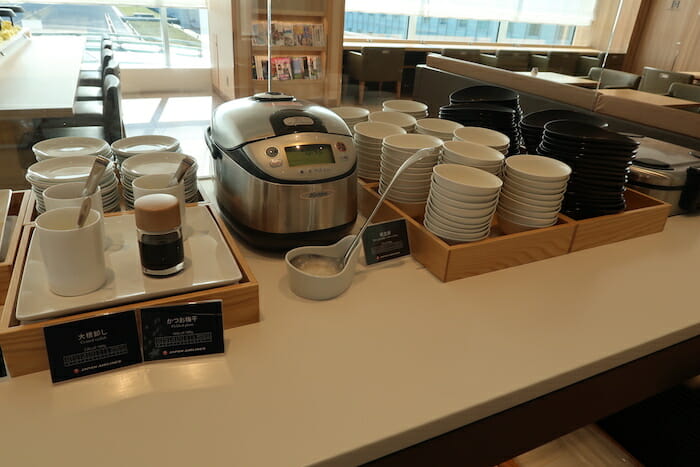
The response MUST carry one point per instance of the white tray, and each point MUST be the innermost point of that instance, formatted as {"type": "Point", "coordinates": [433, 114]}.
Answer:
{"type": "Point", "coordinates": [208, 263]}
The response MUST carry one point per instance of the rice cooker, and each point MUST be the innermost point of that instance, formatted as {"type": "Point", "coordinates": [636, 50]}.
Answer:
{"type": "Point", "coordinates": [284, 171]}
{"type": "Point", "coordinates": [669, 173]}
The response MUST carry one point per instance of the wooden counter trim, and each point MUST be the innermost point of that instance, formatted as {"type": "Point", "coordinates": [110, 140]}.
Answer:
{"type": "Point", "coordinates": [574, 95]}
{"type": "Point", "coordinates": [657, 116]}
{"type": "Point", "coordinates": [507, 434]}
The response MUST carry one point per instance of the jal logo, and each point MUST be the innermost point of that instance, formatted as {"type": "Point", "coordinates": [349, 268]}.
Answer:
{"type": "Point", "coordinates": [317, 195]}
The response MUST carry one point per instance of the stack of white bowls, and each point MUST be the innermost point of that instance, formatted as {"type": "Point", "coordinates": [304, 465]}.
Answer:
{"type": "Point", "coordinates": [405, 121]}
{"type": "Point", "coordinates": [485, 136]}
{"type": "Point", "coordinates": [461, 203]}
{"type": "Point", "coordinates": [127, 147]}
{"type": "Point", "coordinates": [438, 127]}
{"type": "Point", "coordinates": [156, 163]}
{"type": "Point", "coordinates": [473, 155]}
{"type": "Point", "coordinates": [351, 115]}
{"type": "Point", "coordinates": [55, 171]}
{"type": "Point", "coordinates": [413, 185]}
{"type": "Point", "coordinates": [415, 109]}
{"type": "Point", "coordinates": [71, 146]}
{"type": "Point", "coordinates": [367, 138]}
{"type": "Point", "coordinates": [533, 190]}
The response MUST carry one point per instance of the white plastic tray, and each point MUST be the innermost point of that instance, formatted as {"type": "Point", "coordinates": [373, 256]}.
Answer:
{"type": "Point", "coordinates": [208, 263]}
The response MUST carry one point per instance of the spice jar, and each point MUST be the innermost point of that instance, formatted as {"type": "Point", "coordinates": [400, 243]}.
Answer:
{"type": "Point", "coordinates": [159, 234]}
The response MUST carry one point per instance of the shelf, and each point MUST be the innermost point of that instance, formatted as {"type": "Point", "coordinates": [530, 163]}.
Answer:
{"type": "Point", "coordinates": [299, 13]}
{"type": "Point", "coordinates": [279, 50]}
{"type": "Point", "coordinates": [287, 82]}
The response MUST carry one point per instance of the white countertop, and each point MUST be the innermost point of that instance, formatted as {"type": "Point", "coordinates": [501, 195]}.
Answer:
{"type": "Point", "coordinates": [399, 358]}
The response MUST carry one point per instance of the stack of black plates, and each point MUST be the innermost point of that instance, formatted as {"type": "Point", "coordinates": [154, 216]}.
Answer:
{"type": "Point", "coordinates": [532, 124]}
{"type": "Point", "coordinates": [600, 160]}
{"type": "Point", "coordinates": [490, 95]}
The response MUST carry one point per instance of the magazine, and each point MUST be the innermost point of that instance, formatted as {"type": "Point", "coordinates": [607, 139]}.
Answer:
{"type": "Point", "coordinates": [314, 62]}
{"type": "Point", "coordinates": [298, 68]}
{"type": "Point", "coordinates": [277, 34]}
{"type": "Point", "coordinates": [288, 34]}
{"type": "Point", "coordinates": [319, 37]}
{"type": "Point", "coordinates": [282, 67]}
{"type": "Point", "coordinates": [259, 34]}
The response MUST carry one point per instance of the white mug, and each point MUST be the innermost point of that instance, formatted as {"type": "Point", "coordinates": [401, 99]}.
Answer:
{"type": "Point", "coordinates": [65, 195]}
{"type": "Point", "coordinates": [534, 71]}
{"type": "Point", "coordinates": [73, 257]}
{"type": "Point", "coordinates": [158, 183]}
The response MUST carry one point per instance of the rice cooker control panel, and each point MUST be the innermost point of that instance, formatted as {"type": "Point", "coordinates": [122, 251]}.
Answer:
{"type": "Point", "coordinates": [303, 156]}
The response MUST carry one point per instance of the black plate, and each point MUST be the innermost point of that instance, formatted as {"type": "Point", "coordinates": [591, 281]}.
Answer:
{"type": "Point", "coordinates": [584, 132]}
{"type": "Point", "coordinates": [586, 151]}
{"type": "Point", "coordinates": [479, 106]}
{"type": "Point", "coordinates": [541, 118]}
{"type": "Point", "coordinates": [484, 93]}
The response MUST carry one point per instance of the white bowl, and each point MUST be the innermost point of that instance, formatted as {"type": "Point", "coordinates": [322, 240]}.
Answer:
{"type": "Point", "coordinates": [437, 125]}
{"type": "Point", "coordinates": [476, 154]}
{"type": "Point", "coordinates": [403, 105]}
{"type": "Point", "coordinates": [485, 136]}
{"type": "Point", "coordinates": [396, 118]}
{"type": "Point", "coordinates": [412, 142]}
{"type": "Point", "coordinates": [461, 198]}
{"type": "Point", "coordinates": [513, 204]}
{"type": "Point", "coordinates": [317, 287]}
{"type": "Point", "coordinates": [375, 132]}
{"type": "Point", "coordinates": [458, 212]}
{"type": "Point", "coordinates": [528, 188]}
{"type": "Point", "coordinates": [538, 168]}
{"type": "Point", "coordinates": [511, 175]}
{"type": "Point", "coordinates": [351, 113]}
{"type": "Point", "coordinates": [526, 220]}
{"type": "Point", "coordinates": [466, 180]}
{"type": "Point", "coordinates": [543, 200]}
{"type": "Point", "coordinates": [509, 227]}
{"type": "Point", "coordinates": [457, 237]}
{"type": "Point", "coordinates": [456, 227]}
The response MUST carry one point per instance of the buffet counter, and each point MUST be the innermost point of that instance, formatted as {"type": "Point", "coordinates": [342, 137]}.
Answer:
{"type": "Point", "coordinates": [396, 360]}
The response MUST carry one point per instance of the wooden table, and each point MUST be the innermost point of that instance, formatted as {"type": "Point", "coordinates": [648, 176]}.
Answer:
{"type": "Point", "coordinates": [649, 98]}
{"type": "Point", "coordinates": [39, 77]}
{"type": "Point", "coordinates": [561, 78]}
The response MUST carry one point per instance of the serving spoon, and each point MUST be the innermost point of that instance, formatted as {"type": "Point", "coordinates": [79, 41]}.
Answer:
{"type": "Point", "coordinates": [337, 264]}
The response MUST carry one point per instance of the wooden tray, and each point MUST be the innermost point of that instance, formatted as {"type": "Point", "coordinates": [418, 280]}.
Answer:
{"type": "Point", "coordinates": [19, 205]}
{"type": "Point", "coordinates": [23, 344]}
{"type": "Point", "coordinates": [449, 262]}
{"type": "Point", "coordinates": [644, 215]}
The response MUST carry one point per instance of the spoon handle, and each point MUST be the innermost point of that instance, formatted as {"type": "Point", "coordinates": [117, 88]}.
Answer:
{"type": "Point", "coordinates": [423, 153]}
{"type": "Point", "coordinates": [84, 211]}
{"type": "Point", "coordinates": [98, 168]}
{"type": "Point", "coordinates": [182, 167]}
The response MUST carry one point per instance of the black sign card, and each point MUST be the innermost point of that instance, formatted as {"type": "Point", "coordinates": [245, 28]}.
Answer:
{"type": "Point", "coordinates": [182, 330]}
{"type": "Point", "coordinates": [92, 345]}
{"type": "Point", "coordinates": [385, 241]}
{"type": "Point", "coordinates": [3, 371]}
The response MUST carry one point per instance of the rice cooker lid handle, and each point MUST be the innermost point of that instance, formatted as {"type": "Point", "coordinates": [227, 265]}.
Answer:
{"type": "Point", "coordinates": [287, 121]}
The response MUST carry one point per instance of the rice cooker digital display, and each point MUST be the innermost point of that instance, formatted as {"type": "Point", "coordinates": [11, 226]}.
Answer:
{"type": "Point", "coordinates": [309, 154]}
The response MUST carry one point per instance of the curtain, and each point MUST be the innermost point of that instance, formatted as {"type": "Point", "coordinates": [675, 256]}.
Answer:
{"type": "Point", "coordinates": [150, 3]}
{"type": "Point", "coordinates": [568, 12]}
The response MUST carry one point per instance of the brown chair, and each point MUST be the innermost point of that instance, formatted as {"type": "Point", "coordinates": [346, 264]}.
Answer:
{"type": "Point", "coordinates": [376, 64]}
{"type": "Point", "coordinates": [614, 79]}
{"type": "Point", "coordinates": [688, 92]}
{"type": "Point", "coordinates": [513, 60]}
{"type": "Point", "coordinates": [558, 62]}
{"type": "Point", "coordinates": [658, 81]}
{"type": "Point", "coordinates": [106, 114]}
{"type": "Point", "coordinates": [469, 55]}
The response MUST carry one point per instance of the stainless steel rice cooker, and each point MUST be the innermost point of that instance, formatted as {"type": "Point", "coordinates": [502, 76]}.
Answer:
{"type": "Point", "coordinates": [284, 170]}
{"type": "Point", "coordinates": [669, 173]}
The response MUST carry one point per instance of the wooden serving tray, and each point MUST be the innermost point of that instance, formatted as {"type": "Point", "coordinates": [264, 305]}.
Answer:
{"type": "Point", "coordinates": [19, 205]}
{"type": "Point", "coordinates": [23, 344]}
{"type": "Point", "coordinates": [449, 261]}
{"type": "Point", "coordinates": [643, 215]}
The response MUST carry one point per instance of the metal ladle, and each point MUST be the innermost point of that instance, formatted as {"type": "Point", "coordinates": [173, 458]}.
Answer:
{"type": "Point", "coordinates": [339, 263]}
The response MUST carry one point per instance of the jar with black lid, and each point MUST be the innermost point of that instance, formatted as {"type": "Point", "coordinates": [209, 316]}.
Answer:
{"type": "Point", "coordinates": [159, 231]}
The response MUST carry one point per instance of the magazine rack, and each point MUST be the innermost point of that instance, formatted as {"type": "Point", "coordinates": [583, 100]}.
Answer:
{"type": "Point", "coordinates": [239, 30]}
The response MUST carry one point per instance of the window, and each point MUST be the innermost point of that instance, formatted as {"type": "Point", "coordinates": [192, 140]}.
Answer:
{"type": "Point", "coordinates": [142, 35]}
{"type": "Point", "coordinates": [520, 21]}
